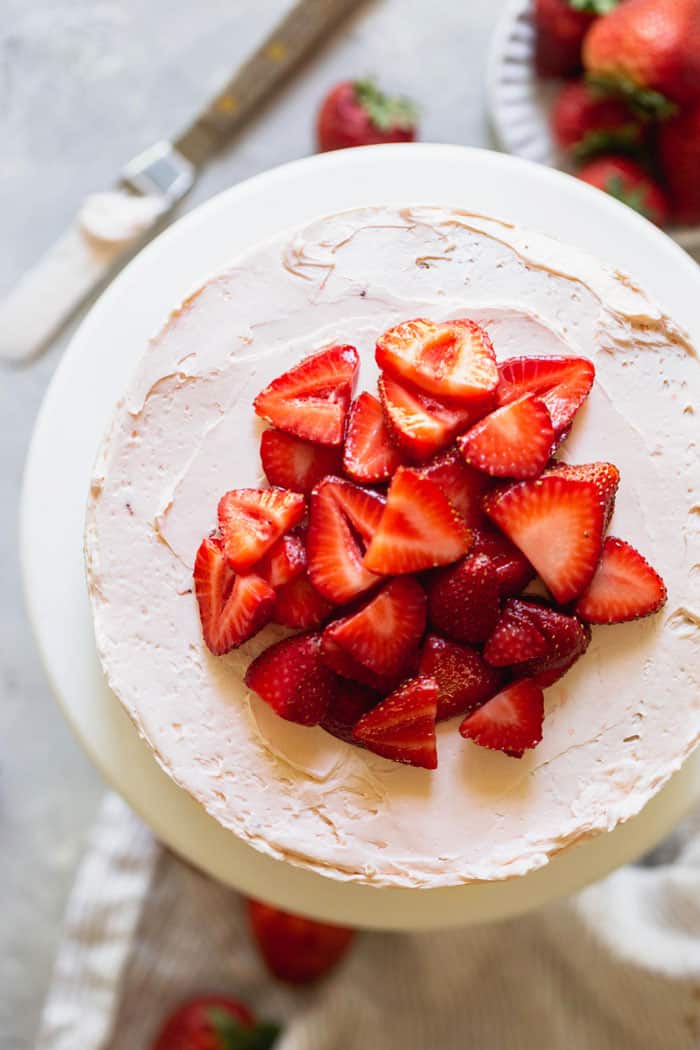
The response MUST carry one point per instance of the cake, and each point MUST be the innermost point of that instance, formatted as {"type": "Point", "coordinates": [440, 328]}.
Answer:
{"type": "Point", "coordinates": [616, 726]}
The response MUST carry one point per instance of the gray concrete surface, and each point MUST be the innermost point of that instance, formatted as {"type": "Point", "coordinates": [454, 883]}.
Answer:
{"type": "Point", "coordinates": [84, 85]}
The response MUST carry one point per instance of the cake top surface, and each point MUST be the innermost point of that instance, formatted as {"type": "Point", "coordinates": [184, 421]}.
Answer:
{"type": "Point", "coordinates": [617, 725]}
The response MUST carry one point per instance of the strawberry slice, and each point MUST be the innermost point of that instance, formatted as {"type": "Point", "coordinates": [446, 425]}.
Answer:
{"type": "Point", "coordinates": [350, 703]}
{"type": "Point", "coordinates": [231, 608]}
{"type": "Point", "coordinates": [463, 486]}
{"type": "Point", "coordinates": [402, 727]}
{"type": "Point", "coordinates": [419, 528]}
{"type": "Point", "coordinates": [342, 663]}
{"type": "Point", "coordinates": [463, 601]}
{"type": "Point", "coordinates": [284, 561]}
{"type": "Point", "coordinates": [557, 523]}
{"type": "Point", "coordinates": [625, 587]}
{"type": "Point", "coordinates": [369, 454]}
{"type": "Point", "coordinates": [290, 677]}
{"type": "Point", "coordinates": [464, 680]}
{"type": "Point", "coordinates": [511, 568]}
{"type": "Point", "coordinates": [311, 400]}
{"type": "Point", "coordinates": [450, 359]}
{"type": "Point", "coordinates": [250, 520]}
{"type": "Point", "coordinates": [343, 520]}
{"type": "Point", "coordinates": [537, 641]}
{"type": "Point", "coordinates": [563, 383]}
{"type": "Point", "coordinates": [384, 632]}
{"type": "Point", "coordinates": [511, 721]}
{"type": "Point", "coordinates": [605, 477]}
{"type": "Point", "coordinates": [420, 424]}
{"type": "Point", "coordinates": [515, 441]}
{"type": "Point", "coordinates": [298, 604]}
{"type": "Point", "coordinates": [292, 463]}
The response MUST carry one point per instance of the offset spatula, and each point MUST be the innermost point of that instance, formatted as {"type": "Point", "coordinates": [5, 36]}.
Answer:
{"type": "Point", "coordinates": [48, 294]}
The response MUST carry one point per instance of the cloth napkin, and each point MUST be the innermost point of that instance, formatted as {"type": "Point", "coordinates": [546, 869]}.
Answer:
{"type": "Point", "coordinates": [615, 968]}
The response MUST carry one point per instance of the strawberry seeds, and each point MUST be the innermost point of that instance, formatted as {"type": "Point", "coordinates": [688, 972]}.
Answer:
{"type": "Point", "coordinates": [399, 535]}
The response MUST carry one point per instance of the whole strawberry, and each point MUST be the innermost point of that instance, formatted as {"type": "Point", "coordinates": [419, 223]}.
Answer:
{"type": "Point", "coordinates": [357, 113]}
{"type": "Point", "coordinates": [296, 949]}
{"type": "Point", "coordinates": [214, 1023]}
{"type": "Point", "coordinates": [630, 183]}
{"type": "Point", "coordinates": [648, 50]}
{"type": "Point", "coordinates": [679, 154]}
{"type": "Point", "coordinates": [560, 26]}
{"type": "Point", "coordinates": [586, 122]}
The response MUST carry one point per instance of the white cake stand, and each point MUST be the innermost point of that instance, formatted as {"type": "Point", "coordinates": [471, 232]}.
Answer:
{"type": "Point", "coordinates": [93, 374]}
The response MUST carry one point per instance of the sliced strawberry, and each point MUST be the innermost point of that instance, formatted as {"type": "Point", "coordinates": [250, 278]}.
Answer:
{"type": "Point", "coordinates": [295, 949]}
{"type": "Point", "coordinates": [563, 383]}
{"type": "Point", "coordinates": [625, 587]}
{"type": "Point", "coordinates": [298, 604]}
{"type": "Point", "coordinates": [463, 601]}
{"type": "Point", "coordinates": [452, 359]}
{"type": "Point", "coordinates": [463, 486]}
{"type": "Point", "coordinates": [350, 703]}
{"type": "Point", "coordinates": [605, 477]}
{"type": "Point", "coordinates": [250, 520]}
{"type": "Point", "coordinates": [311, 400]}
{"type": "Point", "coordinates": [511, 568]}
{"type": "Point", "coordinates": [295, 464]}
{"type": "Point", "coordinates": [342, 663]}
{"type": "Point", "coordinates": [511, 721]}
{"type": "Point", "coordinates": [419, 528]}
{"type": "Point", "coordinates": [291, 678]}
{"type": "Point", "coordinates": [369, 454]}
{"type": "Point", "coordinates": [402, 727]}
{"type": "Point", "coordinates": [284, 561]}
{"type": "Point", "coordinates": [420, 424]}
{"type": "Point", "coordinates": [386, 630]}
{"type": "Point", "coordinates": [515, 441]}
{"type": "Point", "coordinates": [536, 641]}
{"type": "Point", "coordinates": [232, 608]}
{"type": "Point", "coordinates": [557, 523]}
{"type": "Point", "coordinates": [464, 680]}
{"type": "Point", "coordinates": [343, 520]}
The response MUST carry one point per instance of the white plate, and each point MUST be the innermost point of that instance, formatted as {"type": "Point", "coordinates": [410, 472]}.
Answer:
{"type": "Point", "coordinates": [95, 371]}
{"type": "Point", "coordinates": [519, 101]}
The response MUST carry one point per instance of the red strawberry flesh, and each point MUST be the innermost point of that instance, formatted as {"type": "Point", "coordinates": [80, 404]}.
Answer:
{"type": "Point", "coordinates": [231, 608]}
{"type": "Point", "coordinates": [343, 520]}
{"type": "Point", "coordinates": [562, 383]}
{"type": "Point", "coordinates": [298, 604]}
{"type": "Point", "coordinates": [605, 477]}
{"type": "Point", "coordinates": [463, 485]}
{"type": "Point", "coordinates": [350, 702]}
{"type": "Point", "coordinates": [284, 561]}
{"type": "Point", "coordinates": [369, 454]}
{"type": "Point", "coordinates": [625, 587]}
{"type": "Point", "coordinates": [464, 680]}
{"type": "Point", "coordinates": [251, 520]}
{"type": "Point", "coordinates": [402, 727]}
{"type": "Point", "coordinates": [511, 568]}
{"type": "Point", "coordinates": [536, 641]}
{"type": "Point", "coordinates": [463, 600]}
{"type": "Point", "coordinates": [291, 678]}
{"type": "Point", "coordinates": [292, 463]}
{"type": "Point", "coordinates": [295, 949]}
{"type": "Point", "coordinates": [511, 721]}
{"type": "Point", "coordinates": [420, 424]}
{"type": "Point", "coordinates": [515, 441]}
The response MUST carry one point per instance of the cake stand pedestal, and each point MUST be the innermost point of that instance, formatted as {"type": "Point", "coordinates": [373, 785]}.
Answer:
{"type": "Point", "coordinates": [93, 374]}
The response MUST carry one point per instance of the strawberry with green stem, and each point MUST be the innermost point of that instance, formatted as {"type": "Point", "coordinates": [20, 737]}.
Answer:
{"type": "Point", "coordinates": [357, 113]}
{"type": "Point", "coordinates": [629, 183]}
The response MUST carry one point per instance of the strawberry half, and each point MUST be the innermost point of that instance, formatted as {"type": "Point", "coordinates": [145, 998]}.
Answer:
{"type": "Point", "coordinates": [369, 455]}
{"type": "Point", "coordinates": [463, 601]}
{"type": "Point", "coordinates": [284, 561]}
{"type": "Point", "coordinates": [453, 360]}
{"type": "Point", "coordinates": [384, 632]}
{"type": "Point", "coordinates": [563, 383]}
{"type": "Point", "coordinates": [536, 641]}
{"type": "Point", "coordinates": [343, 520]}
{"type": "Point", "coordinates": [231, 608]}
{"type": "Point", "coordinates": [402, 727]}
{"type": "Point", "coordinates": [511, 721]}
{"type": "Point", "coordinates": [420, 424]}
{"type": "Point", "coordinates": [419, 528]}
{"type": "Point", "coordinates": [250, 520]}
{"type": "Point", "coordinates": [292, 463]}
{"type": "Point", "coordinates": [605, 477]}
{"type": "Point", "coordinates": [511, 568]}
{"type": "Point", "coordinates": [290, 677]}
{"type": "Point", "coordinates": [557, 522]}
{"type": "Point", "coordinates": [298, 604]}
{"type": "Point", "coordinates": [515, 441]}
{"type": "Point", "coordinates": [311, 400]}
{"type": "Point", "coordinates": [350, 703]}
{"type": "Point", "coordinates": [625, 587]}
{"type": "Point", "coordinates": [342, 663]}
{"type": "Point", "coordinates": [464, 680]}
{"type": "Point", "coordinates": [463, 486]}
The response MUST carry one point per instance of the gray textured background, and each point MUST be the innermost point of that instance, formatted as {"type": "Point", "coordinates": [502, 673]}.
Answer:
{"type": "Point", "coordinates": [84, 85]}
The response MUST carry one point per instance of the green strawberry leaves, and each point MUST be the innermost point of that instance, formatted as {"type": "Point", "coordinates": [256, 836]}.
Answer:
{"type": "Point", "coordinates": [384, 111]}
{"type": "Point", "coordinates": [626, 139]}
{"type": "Point", "coordinates": [232, 1035]}
{"type": "Point", "coordinates": [633, 198]}
{"type": "Point", "coordinates": [594, 7]}
{"type": "Point", "coordinates": [644, 102]}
